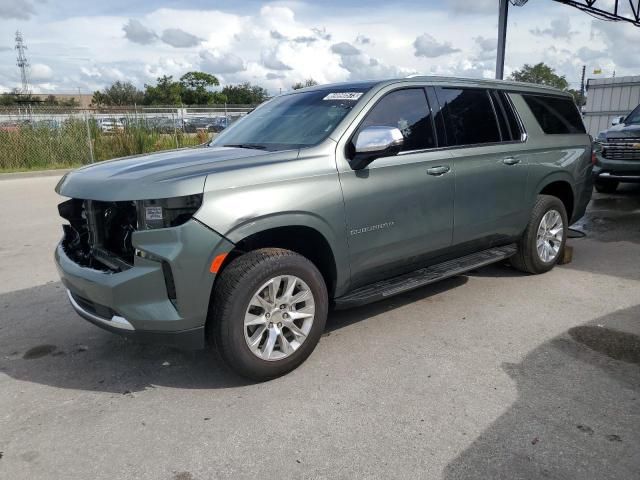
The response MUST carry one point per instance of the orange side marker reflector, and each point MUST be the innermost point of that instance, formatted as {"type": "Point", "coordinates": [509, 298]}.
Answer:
{"type": "Point", "coordinates": [217, 263]}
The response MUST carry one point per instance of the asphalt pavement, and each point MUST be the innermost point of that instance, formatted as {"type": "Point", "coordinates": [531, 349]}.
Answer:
{"type": "Point", "coordinates": [491, 375]}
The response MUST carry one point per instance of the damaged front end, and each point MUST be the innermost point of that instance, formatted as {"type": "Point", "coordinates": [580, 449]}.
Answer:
{"type": "Point", "coordinates": [99, 234]}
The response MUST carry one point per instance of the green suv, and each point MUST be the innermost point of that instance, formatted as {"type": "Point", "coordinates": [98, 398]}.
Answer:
{"type": "Point", "coordinates": [331, 196]}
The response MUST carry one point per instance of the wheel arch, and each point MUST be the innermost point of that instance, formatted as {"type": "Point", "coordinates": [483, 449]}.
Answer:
{"type": "Point", "coordinates": [306, 234]}
{"type": "Point", "coordinates": [559, 186]}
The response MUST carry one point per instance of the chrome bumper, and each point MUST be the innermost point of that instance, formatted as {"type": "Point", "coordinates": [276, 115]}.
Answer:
{"type": "Point", "coordinates": [116, 321]}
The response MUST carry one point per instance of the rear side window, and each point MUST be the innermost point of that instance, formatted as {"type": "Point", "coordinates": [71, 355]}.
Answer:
{"type": "Point", "coordinates": [408, 111]}
{"type": "Point", "coordinates": [555, 114]}
{"type": "Point", "coordinates": [509, 124]}
{"type": "Point", "coordinates": [468, 116]}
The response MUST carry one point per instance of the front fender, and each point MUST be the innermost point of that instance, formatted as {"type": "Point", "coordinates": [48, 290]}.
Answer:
{"type": "Point", "coordinates": [314, 202]}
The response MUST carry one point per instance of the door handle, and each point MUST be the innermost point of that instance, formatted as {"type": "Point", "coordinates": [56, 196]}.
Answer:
{"type": "Point", "coordinates": [510, 161]}
{"type": "Point", "coordinates": [437, 171]}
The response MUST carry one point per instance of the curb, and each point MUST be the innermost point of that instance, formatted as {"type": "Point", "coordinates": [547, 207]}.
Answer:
{"type": "Point", "coordinates": [37, 173]}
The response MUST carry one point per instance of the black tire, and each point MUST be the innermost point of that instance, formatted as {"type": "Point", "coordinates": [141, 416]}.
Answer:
{"type": "Point", "coordinates": [606, 186]}
{"type": "Point", "coordinates": [527, 258]}
{"type": "Point", "coordinates": [233, 291]}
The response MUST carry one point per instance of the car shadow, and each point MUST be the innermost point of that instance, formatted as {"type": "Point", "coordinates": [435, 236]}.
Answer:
{"type": "Point", "coordinates": [577, 410]}
{"type": "Point", "coordinates": [43, 341]}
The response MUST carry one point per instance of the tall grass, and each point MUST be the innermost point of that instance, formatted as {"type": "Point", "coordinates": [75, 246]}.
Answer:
{"type": "Point", "coordinates": [45, 146]}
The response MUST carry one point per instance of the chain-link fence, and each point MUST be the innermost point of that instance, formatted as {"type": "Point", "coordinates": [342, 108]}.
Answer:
{"type": "Point", "coordinates": [37, 137]}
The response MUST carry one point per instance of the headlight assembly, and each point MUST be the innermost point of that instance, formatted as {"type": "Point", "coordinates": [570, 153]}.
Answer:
{"type": "Point", "coordinates": [167, 212]}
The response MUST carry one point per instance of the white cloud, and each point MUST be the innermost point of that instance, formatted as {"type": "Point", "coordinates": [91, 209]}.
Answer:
{"type": "Point", "coordinates": [272, 62]}
{"type": "Point", "coordinates": [427, 46]}
{"type": "Point", "coordinates": [486, 44]}
{"type": "Point", "coordinates": [40, 72]}
{"type": "Point", "coordinates": [344, 49]}
{"type": "Point", "coordinates": [221, 62]}
{"type": "Point", "coordinates": [17, 9]}
{"type": "Point", "coordinates": [91, 51]}
{"type": "Point", "coordinates": [363, 67]}
{"type": "Point", "coordinates": [178, 38]}
{"type": "Point", "coordinates": [474, 6]}
{"type": "Point", "coordinates": [136, 32]}
{"type": "Point", "coordinates": [558, 28]}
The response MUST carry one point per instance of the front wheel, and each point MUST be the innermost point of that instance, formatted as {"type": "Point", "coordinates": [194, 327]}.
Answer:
{"type": "Point", "coordinates": [269, 310]}
{"type": "Point", "coordinates": [542, 242]}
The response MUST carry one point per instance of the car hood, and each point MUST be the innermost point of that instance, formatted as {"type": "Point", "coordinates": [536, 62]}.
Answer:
{"type": "Point", "coordinates": [623, 131]}
{"type": "Point", "coordinates": [161, 175]}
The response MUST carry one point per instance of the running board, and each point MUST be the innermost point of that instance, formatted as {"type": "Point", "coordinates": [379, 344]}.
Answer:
{"type": "Point", "coordinates": [424, 276]}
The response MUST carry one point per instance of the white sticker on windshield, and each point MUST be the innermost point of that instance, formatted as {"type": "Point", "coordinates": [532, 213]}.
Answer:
{"type": "Point", "coordinates": [353, 96]}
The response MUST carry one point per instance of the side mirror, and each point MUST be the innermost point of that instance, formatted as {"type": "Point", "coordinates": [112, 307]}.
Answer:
{"type": "Point", "coordinates": [374, 142]}
{"type": "Point", "coordinates": [618, 120]}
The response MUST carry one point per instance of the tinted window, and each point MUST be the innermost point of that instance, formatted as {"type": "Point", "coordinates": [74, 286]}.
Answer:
{"type": "Point", "coordinates": [555, 114]}
{"type": "Point", "coordinates": [512, 119]}
{"type": "Point", "coordinates": [509, 125]}
{"type": "Point", "coordinates": [469, 116]}
{"type": "Point", "coordinates": [408, 111]}
{"type": "Point", "coordinates": [634, 117]}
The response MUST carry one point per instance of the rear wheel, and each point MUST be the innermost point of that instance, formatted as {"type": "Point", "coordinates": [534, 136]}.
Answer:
{"type": "Point", "coordinates": [268, 313]}
{"type": "Point", "coordinates": [606, 186]}
{"type": "Point", "coordinates": [542, 243]}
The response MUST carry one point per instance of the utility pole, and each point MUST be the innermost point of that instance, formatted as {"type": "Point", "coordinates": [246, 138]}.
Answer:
{"type": "Point", "coordinates": [584, 68]}
{"type": "Point", "coordinates": [503, 11]}
{"type": "Point", "coordinates": [23, 63]}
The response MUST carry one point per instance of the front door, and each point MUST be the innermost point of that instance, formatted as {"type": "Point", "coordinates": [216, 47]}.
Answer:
{"type": "Point", "coordinates": [399, 209]}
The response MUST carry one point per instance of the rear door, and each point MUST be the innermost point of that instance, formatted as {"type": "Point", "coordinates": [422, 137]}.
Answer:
{"type": "Point", "coordinates": [485, 138]}
{"type": "Point", "coordinates": [399, 209]}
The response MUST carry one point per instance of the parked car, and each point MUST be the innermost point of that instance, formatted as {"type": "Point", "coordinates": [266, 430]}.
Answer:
{"type": "Point", "coordinates": [618, 153]}
{"type": "Point", "coordinates": [110, 125]}
{"type": "Point", "coordinates": [209, 124]}
{"type": "Point", "coordinates": [337, 195]}
{"type": "Point", "coordinates": [164, 124]}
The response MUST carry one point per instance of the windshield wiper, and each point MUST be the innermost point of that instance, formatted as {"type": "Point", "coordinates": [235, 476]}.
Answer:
{"type": "Point", "coordinates": [254, 146]}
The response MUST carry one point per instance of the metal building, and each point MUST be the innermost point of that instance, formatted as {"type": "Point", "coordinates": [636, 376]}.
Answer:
{"type": "Point", "coordinates": [608, 98]}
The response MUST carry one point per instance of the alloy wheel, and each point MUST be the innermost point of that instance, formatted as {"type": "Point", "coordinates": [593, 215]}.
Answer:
{"type": "Point", "coordinates": [279, 317]}
{"type": "Point", "coordinates": [550, 236]}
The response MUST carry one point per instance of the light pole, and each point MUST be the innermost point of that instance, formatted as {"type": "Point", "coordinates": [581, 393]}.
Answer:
{"type": "Point", "coordinates": [503, 11]}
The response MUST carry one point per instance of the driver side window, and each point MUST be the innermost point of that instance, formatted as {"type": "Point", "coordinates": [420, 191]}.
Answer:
{"type": "Point", "coordinates": [408, 111]}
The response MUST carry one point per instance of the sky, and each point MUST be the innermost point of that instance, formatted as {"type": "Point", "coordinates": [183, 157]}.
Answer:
{"type": "Point", "coordinates": [84, 45]}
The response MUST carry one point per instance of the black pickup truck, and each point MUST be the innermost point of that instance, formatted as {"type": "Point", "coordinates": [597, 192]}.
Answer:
{"type": "Point", "coordinates": [618, 153]}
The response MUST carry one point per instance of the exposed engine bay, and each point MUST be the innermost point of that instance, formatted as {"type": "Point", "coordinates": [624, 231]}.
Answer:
{"type": "Point", "coordinates": [99, 233]}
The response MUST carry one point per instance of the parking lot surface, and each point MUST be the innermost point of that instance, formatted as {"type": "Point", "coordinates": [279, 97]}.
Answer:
{"type": "Point", "coordinates": [490, 375]}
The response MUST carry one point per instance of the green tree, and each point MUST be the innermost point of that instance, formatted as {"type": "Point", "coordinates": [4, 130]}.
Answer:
{"type": "Point", "coordinates": [309, 82]}
{"type": "Point", "coordinates": [165, 92]}
{"type": "Point", "coordinates": [50, 100]}
{"type": "Point", "coordinates": [245, 94]}
{"type": "Point", "coordinates": [578, 97]}
{"type": "Point", "coordinates": [119, 93]}
{"type": "Point", "coordinates": [541, 74]}
{"type": "Point", "coordinates": [196, 88]}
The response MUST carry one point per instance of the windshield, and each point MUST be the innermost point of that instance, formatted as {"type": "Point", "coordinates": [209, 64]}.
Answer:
{"type": "Point", "coordinates": [291, 121]}
{"type": "Point", "coordinates": [634, 117]}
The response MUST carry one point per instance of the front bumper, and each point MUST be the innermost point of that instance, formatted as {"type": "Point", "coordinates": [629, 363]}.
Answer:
{"type": "Point", "coordinates": [616, 170]}
{"type": "Point", "coordinates": [135, 302]}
